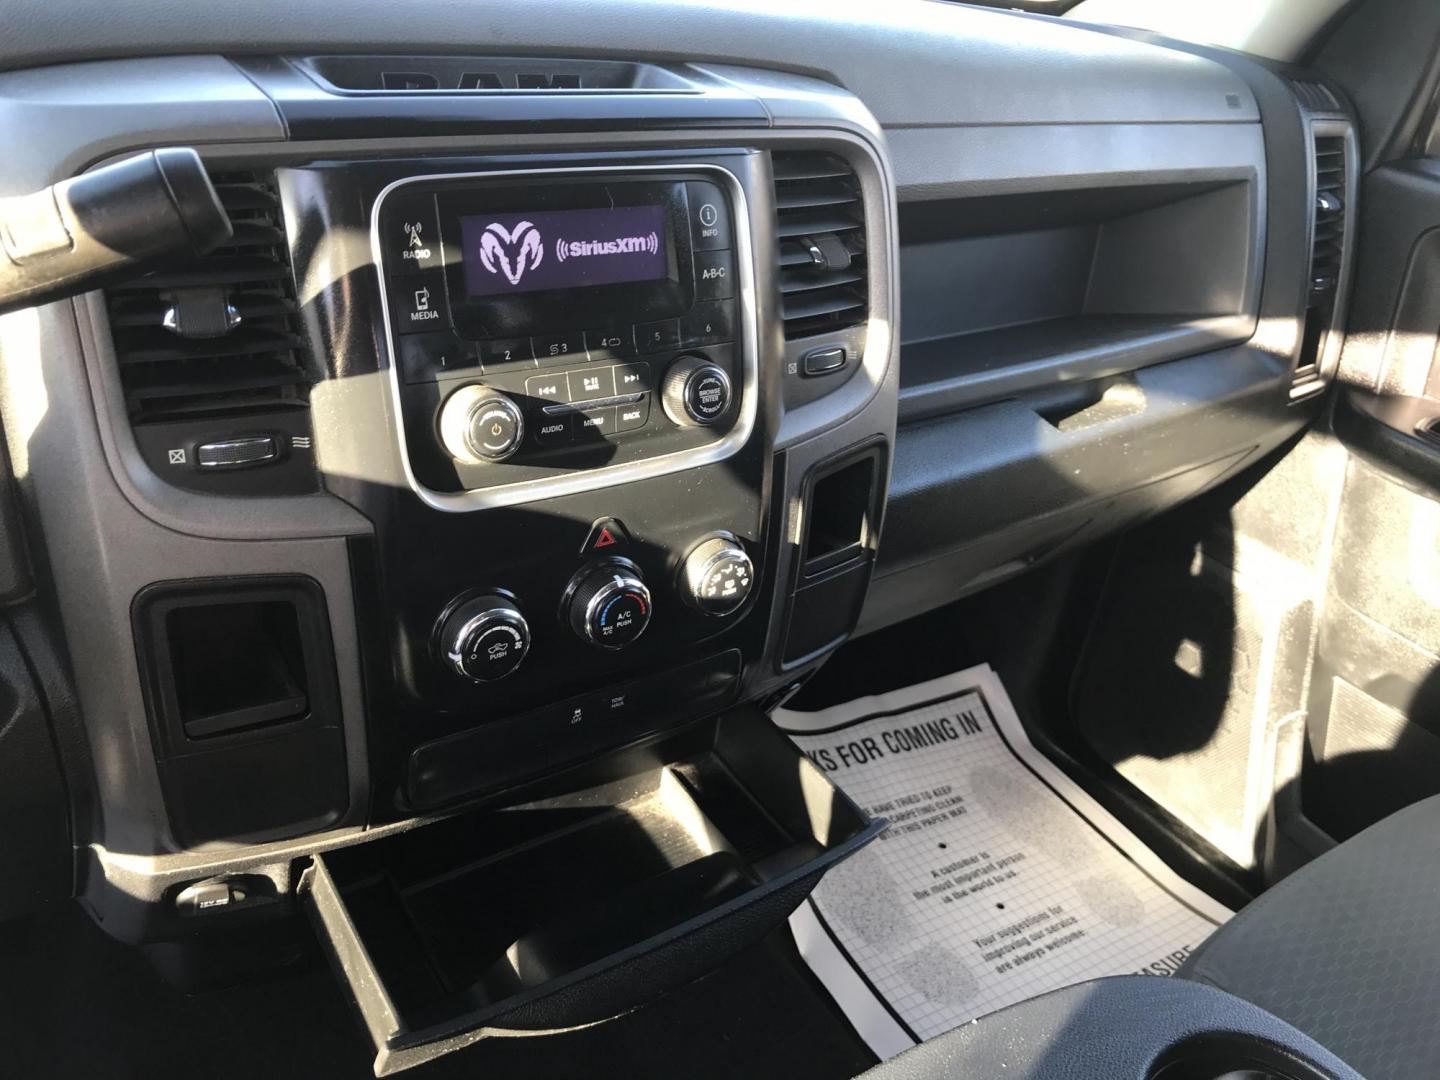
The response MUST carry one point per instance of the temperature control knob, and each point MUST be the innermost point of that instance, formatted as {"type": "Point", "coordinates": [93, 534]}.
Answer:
{"type": "Point", "coordinates": [608, 604]}
{"type": "Point", "coordinates": [485, 638]}
{"type": "Point", "coordinates": [696, 392]}
{"type": "Point", "coordinates": [480, 425]}
{"type": "Point", "coordinates": [717, 576]}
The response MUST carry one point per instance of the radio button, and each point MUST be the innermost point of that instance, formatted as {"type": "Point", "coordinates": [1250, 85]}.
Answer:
{"type": "Point", "coordinates": [709, 217]}
{"type": "Point", "coordinates": [709, 324]}
{"type": "Point", "coordinates": [592, 384]}
{"type": "Point", "coordinates": [505, 353]}
{"type": "Point", "coordinates": [412, 235]}
{"type": "Point", "coordinates": [548, 389]}
{"type": "Point", "coordinates": [633, 417]}
{"type": "Point", "coordinates": [425, 356]}
{"type": "Point", "coordinates": [659, 336]}
{"type": "Point", "coordinates": [592, 423]}
{"type": "Point", "coordinates": [616, 343]}
{"type": "Point", "coordinates": [632, 378]}
{"type": "Point", "coordinates": [566, 348]}
{"type": "Point", "coordinates": [714, 275]}
{"type": "Point", "coordinates": [554, 430]}
{"type": "Point", "coordinates": [418, 303]}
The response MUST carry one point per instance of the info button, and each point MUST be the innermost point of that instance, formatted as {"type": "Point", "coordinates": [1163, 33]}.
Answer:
{"type": "Point", "coordinates": [709, 217]}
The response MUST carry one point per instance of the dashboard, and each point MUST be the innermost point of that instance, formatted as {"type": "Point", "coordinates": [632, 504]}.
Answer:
{"type": "Point", "coordinates": [573, 377]}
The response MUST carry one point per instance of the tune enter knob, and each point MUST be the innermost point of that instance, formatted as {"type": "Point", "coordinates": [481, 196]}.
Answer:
{"type": "Point", "coordinates": [479, 425]}
{"type": "Point", "coordinates": [696, 392]}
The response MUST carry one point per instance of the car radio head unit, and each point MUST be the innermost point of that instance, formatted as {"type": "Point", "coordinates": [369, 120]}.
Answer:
{"type": "Point", "coordinates": [559, 322]}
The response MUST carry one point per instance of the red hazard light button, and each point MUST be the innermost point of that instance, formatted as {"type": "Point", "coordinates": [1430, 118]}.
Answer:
{"type": "Point", "coordinates": [606, 535]}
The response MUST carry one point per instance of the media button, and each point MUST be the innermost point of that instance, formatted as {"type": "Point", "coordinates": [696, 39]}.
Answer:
{"type": "Point", "coordinates": [412, 235]}
{"type": "Point", "coordinates": [566, 348]}
{"type": "Point", "coordinates": [418, 303]}
{"type": "Point", "coordinates": [505, 353]}
{"type": "Point", "coordinates": [709, 217]}
{"type": "Point", "coordinates": [593, 423]}
{"type": "Point", "coordinates": [548, 389]}
{"type": "Point", "coordinates": [714, 275]}
{"type": "Point", "coordinates": [632, 378]}
{"type": "Point", "coordinates": [657, 336]}
{"type": "Point", "coordinates": [554, 430]}
{"type": "Point", "coordinates": [633, 417]}
{"type": "Point", "coordinates": [615, 343]}
{"type": "Point", "coordinates": [709, 324]}
{"type": "Point", "coordinates": [592, 384]}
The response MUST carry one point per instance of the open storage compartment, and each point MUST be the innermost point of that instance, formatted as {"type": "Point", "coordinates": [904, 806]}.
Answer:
{"type": "Point", "coordinates": [573, 908]}
{"type": "Point", "coordinates": [1003, 293]}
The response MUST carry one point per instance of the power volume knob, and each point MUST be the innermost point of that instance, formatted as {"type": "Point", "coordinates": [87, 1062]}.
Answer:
{"type": "Point", "coordinates": [485, 639]}
{"type": "Point", "coordinates": [717, 576]}
{"type": "Point", "coordinates": [479, 425]}
{"type": "Point", "coordinates": [609, 604]}
{"type": "Point", "coordinates": [696, 392]}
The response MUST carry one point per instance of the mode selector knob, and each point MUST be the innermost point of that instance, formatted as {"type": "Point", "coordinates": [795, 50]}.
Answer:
{"type": "Point", "coordinates": [484, 638]}
{"type": "Point", "coordinates": [608, 604]}
{"type": "Point", "coordinates": [717, 576]}
{"type": "Point", "coordinates": [696, 391]}
{"type": "Point", "coordinates": [479, 425]}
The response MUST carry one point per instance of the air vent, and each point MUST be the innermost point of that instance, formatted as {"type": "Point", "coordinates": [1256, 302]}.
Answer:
{"type": "Point", "coordinates": [1327, 256]}
{"type": "Point", "coordinates": [1330, 209]}
{"type": "Point", "coordinates": [1314, 96]}
{"type": "Point", "coordinates": [820, 220]}
{"type": "Point", "coordinates": [218, 335]}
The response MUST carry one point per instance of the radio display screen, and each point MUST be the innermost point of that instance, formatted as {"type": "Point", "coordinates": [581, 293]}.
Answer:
{"type": "Point", "coordinates": [528, 251]}
{"type": "Point", "coordinates": [546, 255]}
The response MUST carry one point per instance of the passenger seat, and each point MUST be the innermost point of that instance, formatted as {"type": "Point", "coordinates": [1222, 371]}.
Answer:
{"type": "Point", "coordinates": [1347, 949]}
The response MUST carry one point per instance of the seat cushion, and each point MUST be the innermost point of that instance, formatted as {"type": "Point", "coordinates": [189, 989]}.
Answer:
{"type": "Point", "coordinates": [1347, 949]}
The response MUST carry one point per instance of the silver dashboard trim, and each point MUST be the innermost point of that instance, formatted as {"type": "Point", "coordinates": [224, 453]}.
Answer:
{"type": "Point", "coordinates": [526, 491]}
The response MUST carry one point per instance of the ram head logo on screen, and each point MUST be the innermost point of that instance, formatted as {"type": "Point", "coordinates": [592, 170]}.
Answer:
{"type": "Point", "coordinates": [511, 252]}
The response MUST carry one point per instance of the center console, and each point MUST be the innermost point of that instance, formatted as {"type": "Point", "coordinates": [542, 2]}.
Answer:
{"type": "Point", "coordinates": [481, 495]}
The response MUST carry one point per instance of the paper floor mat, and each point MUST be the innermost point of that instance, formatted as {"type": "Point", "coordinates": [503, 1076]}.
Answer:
{"type": "Point", "coordinates": [999, 879]}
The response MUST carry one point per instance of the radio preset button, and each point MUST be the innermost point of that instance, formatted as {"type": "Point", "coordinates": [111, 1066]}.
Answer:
{"type": "Point", "coordinates": [549, 389]}
{"type": "Point", "coordinates": [418, 303]}
{"type": "Point", "coordinates": [569, 348]}
{"type": "Point", "coordinates": [592, 384]}
{"type": "Point", "coordinates": [506, 353]}
{"type": "Point", "coordinates": [659, 336]}
{"type": "Point", "coordinates": [632, 378]}
{"type": "Point", "coordinates": [709, 217]}
{"type": "Point", "coordinates": [714, 275]}
{"type": "Point", "coordinates": [554, 430]}
{"type": "Point", "coordinates": [633, 417]}
{"type": "Point", "coordinates": [616, 343]}
{"type": "Point", "coordinates": [412, 235]}
{"type": "Point", "coordinates": [709, 324]}
{"type": "Point", "coordinates": [425, 356]}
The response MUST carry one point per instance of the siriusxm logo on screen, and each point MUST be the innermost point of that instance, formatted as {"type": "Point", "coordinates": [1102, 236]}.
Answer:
{"type": "Point", "coordinates": [515, 252]}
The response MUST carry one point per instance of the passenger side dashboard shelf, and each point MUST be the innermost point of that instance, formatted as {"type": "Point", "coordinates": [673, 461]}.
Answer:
{"type": "Point", "coordinates": [1006, 293]}
{"type": "Point", "coordinates": [574, 908]}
